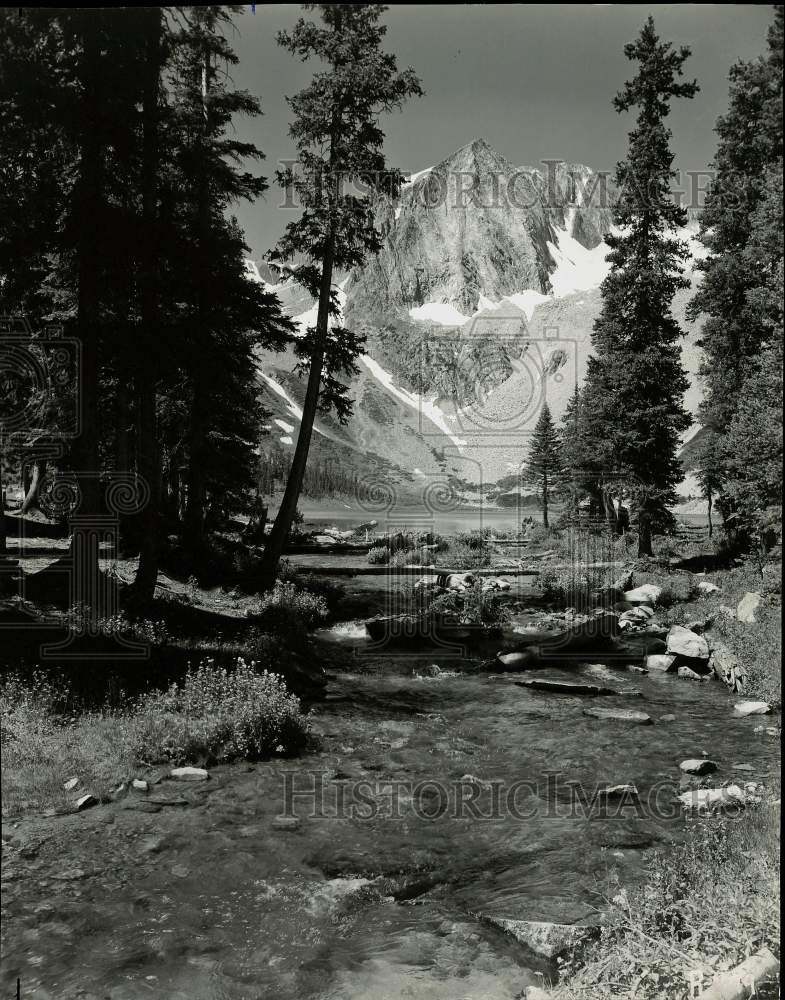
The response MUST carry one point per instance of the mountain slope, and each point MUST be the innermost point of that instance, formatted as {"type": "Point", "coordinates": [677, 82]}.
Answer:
{"type": "Point", "coordinates": [479, 306]}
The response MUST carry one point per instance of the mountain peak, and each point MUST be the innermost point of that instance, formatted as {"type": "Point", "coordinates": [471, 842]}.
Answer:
{"type": "Point", "coordinates": [476, 155]}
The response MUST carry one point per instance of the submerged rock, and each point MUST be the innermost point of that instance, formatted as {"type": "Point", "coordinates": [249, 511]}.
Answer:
{"type": "Point", "coordinates": [751, 708]}
{"type": "Point", "coordinates": [544, 938]}
{"type": "Point", "coordinates": [568, 687]}
{"type": "Point", "coordinates": [619, 715]}
{"type": "Point", "coordinates": [698, 765]}
{"type": "Point", "coordinates": [692, 675]}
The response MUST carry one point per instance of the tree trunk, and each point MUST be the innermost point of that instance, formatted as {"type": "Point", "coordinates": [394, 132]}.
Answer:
{"type": "Point", "coordinates": [709, 499]}
{"type": "Point", "coordinates": [33, 489]}
{"type": "Point", "coordinates": [148, 460]}
{"type": "Point", "coordinates": [194, 514]}
{"type": "Point", "coordinates": [545, 499]}
{"type": "Point", "coordinates": [644, 533]}
{"type": "Point", "coordinates": [88, 211]}
{"type": "Point", "coordinates": [274, 545]}
{"type": "Point", "coordinates": [3, 533]}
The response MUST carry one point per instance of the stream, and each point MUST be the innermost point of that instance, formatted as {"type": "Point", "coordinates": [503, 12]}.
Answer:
{"type": "Point", "coordinates": [376, 865]}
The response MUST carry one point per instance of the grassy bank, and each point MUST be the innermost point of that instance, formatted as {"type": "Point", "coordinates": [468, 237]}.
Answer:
{"type": "Point", "coordinates": [707, 905]}
{"type": "Point", "coordinates": [215, 715]}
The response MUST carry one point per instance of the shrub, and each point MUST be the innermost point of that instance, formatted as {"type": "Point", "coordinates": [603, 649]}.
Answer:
{"type": "Point", "coordinates": [758, 646]}
{"type": "Point", "coordinates": [379, 555]}
{"type": "Point", "coordinates": [219, 715]}
{"type": "Point", "coordinates": [417, 557]}
{"type": "Point", "coordinates": [287, 607]}
{"type": "Point", "coordinates": [471, 607]}
{"type": "Point", "coordinates": [574, 585]}
{"type": "Point", "coordinates": [680, 918]}
{"type": "Point", "coordinates": [463, 556]}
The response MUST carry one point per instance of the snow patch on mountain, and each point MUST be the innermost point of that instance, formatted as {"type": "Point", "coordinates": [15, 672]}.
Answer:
{"type": "Point", "coordinates": [425, 407]}
{"type": "Point", "coordinates": [443, 313]}
{"type": "Point", "coordinates": [578, 269]}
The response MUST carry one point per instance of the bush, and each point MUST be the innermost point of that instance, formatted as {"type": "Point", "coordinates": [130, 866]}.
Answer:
{"type": "Point", "coordinates": [288, 608]}
{"type": "Point", "coordinates": [463, 556]}
{"type": "Point", "coordinates": [574, 585]}
{"type": "Point", "coordinates": [417, 557]}
{"type": "Point", "coordinates": [471, 607]}
{"type": "Point", "coordinates": [219, 715]}
{"type": "Point", "coordinates": [379, 555]}
{"type": "Point", "coordinates": [707, 905]}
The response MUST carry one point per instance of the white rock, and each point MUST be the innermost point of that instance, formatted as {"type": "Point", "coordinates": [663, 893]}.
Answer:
{"type": "Point", "coordinates": [86, 801]}
{"type": "Point", "coordinates": [619, 791]}
{"type": "Point", "coordinates": [691, 675]}
{"type": "Point", "coordinates": [712, 798]}
{"type": "Point", "coordinates": [542, 937]}
{"type": "Point", "coordinates": [751, 708]}
{"type": "Point", "coordinates": [71, 784]}
{"type": "Point", "coordinates": [140, 784]}
{"type": "Point", "coordinates": [708, 588]}
{"type": "Point", "coordinates": [189, 774]}
{"type": "Point", "coordinates": [747, 607]}
{"type": "Point", "coordinates": [660, 661]}
{"type": "Point", "coordinates": [697, 765]}
{"type": "Point", "coordinates": [686, 643]}
{"type": "Point", "coordinates": [647, 593]}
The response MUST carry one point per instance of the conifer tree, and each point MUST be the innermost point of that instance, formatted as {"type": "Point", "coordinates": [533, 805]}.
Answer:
{"type": "Point", "coordinates": [545, 464]}
{"type": "Point", "coordinates": [740, 296]}
{"type": "Point", "coordinates": [339, 142]}
{"type": "Point", "coordinates": [635, 381]}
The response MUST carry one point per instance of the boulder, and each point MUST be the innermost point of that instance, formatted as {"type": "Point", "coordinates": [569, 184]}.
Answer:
{"type": "Point", "coordinates": [544, 938]}
{"type": "Point", "coordinates": [495, 584]}
{"type": "Point", "coordinates": [667, 718]}
{"type": "Point", "coordinates": [619, 715]}
{"type": "Point", "coordinates": [647, 593]}
{"type": "Point", "coordinates": [683, 642]}
{"type": "Point", "coordinates": [189, 774]}
{"type": "Point", "coordinates": [705, 799]}
{"type": "Point", "coordinates": [86, 801]}
{"type": "Point", "coordinates": [660, 662]}
{"type": "Point", "coordinates": [691, 675]}
{"type": "Point", "coordinates": [708, 588]}
{"type": "Point", "coordinates": [522, 659]}
{"type": "Point", "coordinates": [747, 606]}
{"type": "Point", "coordinates": [618, 792]}
{"type": "Point", "coordinates": [71, 784]}
{"type": "Point", "coordinates": [140, 785]}
{"type": "Point", "coordinates": [698, 765]}
{"type": "Point", "coordinates": [751, 708]}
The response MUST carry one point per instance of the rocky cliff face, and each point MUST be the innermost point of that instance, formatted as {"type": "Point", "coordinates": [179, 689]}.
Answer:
{"type": "Point", "coordinates": [478, 308]}
{"type": "Point", "coordinates": [476, 225]}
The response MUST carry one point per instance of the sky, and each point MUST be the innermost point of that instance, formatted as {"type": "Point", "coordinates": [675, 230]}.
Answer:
{"type": "Point", "coordinates": [535, 80]}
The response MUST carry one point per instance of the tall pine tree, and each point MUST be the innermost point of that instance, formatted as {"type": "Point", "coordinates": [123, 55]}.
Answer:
{"type": "Point", "coordinates": [544, 463]}
{"type": "Point", "coordinates": [740, 296]}
{"type": "Point", "coordinates": [339, 142]}
{"type": "Point", "coordinates": [635, 381]}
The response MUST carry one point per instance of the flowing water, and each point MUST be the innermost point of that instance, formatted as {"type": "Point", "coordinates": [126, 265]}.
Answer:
{"type": "Point", "coordinates": [431, 807]}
